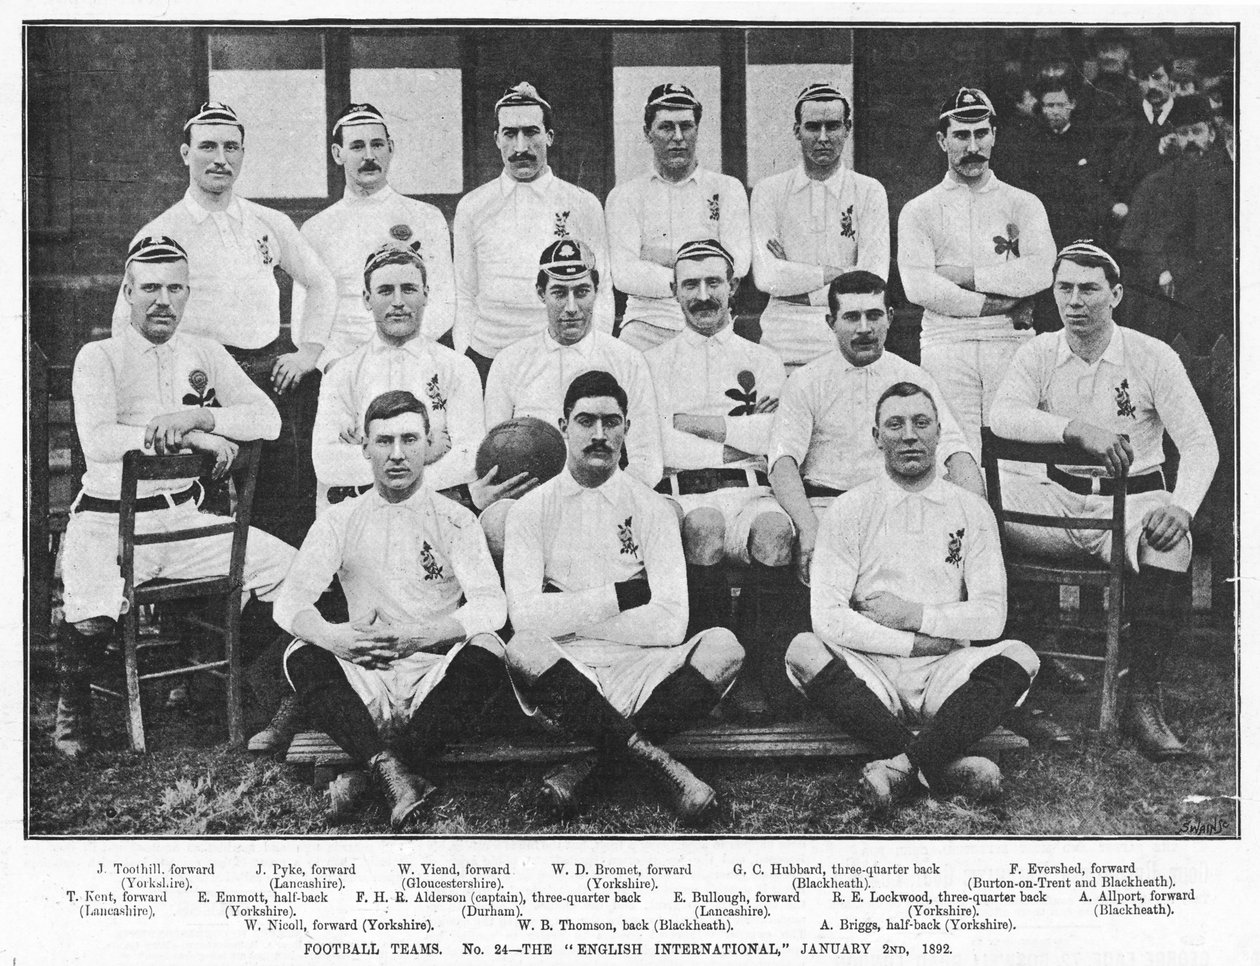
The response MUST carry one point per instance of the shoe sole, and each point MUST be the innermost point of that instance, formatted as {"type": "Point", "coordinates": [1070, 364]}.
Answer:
{"type": "Point", "coordinates": [701, 814]}
{"type": "Point", "coordinates": [415, 811]}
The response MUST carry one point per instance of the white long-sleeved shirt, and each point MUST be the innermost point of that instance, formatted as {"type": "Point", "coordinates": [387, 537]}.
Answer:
{"type": "Point", "coordinates": [720, 375]}
{"type": "Point", "coordinates": [501, 229]}
{"type": "Point", "coordinates": [952, 224]}
{"type": "Point", "coordinates": [1137, 387]}
{"type": "Point", "coordinates": [842, 221]}
{"type": "Point", "coordinates": [584, 541]}
{"type": "Point", "coordinates": [650, 217]}
{"type": "Point", "coordinates": [232, 255]}
{"type": "Point", "coordinates": [530, 378]}
{"type": "Point", "coordinates": [346, 232]}
{"type": "Point", "coordinates": [938, 547]}
{"type": "Point", "coordinates": [408, 561]}
{"type": "Point", "coordinates": [827, 411]}
{"type": "Point", "coordinates": [121, 383]}
{"type": "Point", "coordinates": [445, 381]}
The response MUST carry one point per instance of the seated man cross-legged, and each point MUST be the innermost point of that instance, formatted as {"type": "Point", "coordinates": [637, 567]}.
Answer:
{"type": "Point", "coordinates": [907, 572]}
{"type": "Point", "coordinates": [597, 592]}
{"type": "Point", "coordinates": [419, 656]}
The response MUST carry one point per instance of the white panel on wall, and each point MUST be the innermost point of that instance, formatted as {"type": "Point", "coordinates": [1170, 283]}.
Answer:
{"type": "Point", "coordinates": [631, 86]}
{"type": "Point", "coordinates": [424, 109]}
{"type": "Point", "coordinates": [285, 138]}
{"type": "Point", "coordinates": [771, 95]}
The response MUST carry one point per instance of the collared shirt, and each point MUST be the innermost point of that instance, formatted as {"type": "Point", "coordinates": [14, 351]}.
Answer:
{"type": "Point", "coordinates": [720, 375]}
{"type": "Point", "coordinates": [938, 547]}
{"type": "Point", "coordinates": [585, 540]}
{"type": "Point", "coordinates": [530, 378]}
{"type": "Point", "coordinates": [408, 561]}
{"type": "Point", "coordinates": [123, 382]}
{"type": "Point", "coordinates": [825, 417]}
{"type": "Point", "coordinates": [650, 217]}
{"type": "Point", "coordinates": [445, 381]}
{"type": "Point", "coordinates": [500, 230]}
{"type": "Point", "coordinates": [1137, 387]}
{"type": "Point", "coordinates": [232, 256]}
{"type": "Point", "coordinates": [345, 233]}
{"type": "Point", "coordinates": [842, 221]}
{"type": "Point", "coordinates": [1000, 231]}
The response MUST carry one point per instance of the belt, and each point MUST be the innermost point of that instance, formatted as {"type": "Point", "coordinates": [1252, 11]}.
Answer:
{"type": "Point", "coordinates": [1105, 485]}
{"type": "Point", "coordinates": [94, 504]}
{"type": "Point", "coordinates": [338, 493]}
{"type": "Point", "coordinates": [817, 489]}
{"type": "Point", "coordinates": [688, 482]}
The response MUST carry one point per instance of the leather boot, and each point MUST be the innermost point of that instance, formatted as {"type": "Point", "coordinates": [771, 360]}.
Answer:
{"type": "Point", "coordinates": [564, 789]}
{"type": "Point", "coordinates": [72, 734]}
{"type": "Point", "coordinates": [687, 795]}
{"type": "Point", "coordinates": [405, 792]}
{"type": "Point", "coordinates": [1160, 605]}
{"type": "Point", "coordinates": [345, 793]}
{"type": "Point", "coordinates": [285, 723]}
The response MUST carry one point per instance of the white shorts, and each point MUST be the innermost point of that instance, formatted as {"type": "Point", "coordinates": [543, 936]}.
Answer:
{"type": "Point", "coordinates": [797, 333]}
{"type": "Point", "coordinates": [1030, 495]}
{"type": "Point", "coordinates": [968, 374]}
{"type": "Point", "coordinates": [914, 688]}
{"type": "Point", "coordinates": [739, 506]}
{"type": "Point", "coordinates": [93, 584]}
{"type": "Point", "coordinates": [644, 335]}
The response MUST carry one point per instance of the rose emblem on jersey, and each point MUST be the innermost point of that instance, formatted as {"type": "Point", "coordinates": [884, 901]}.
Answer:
{"type": "Point", "coordinates": [264, 249]}
{"type": "Point", "coordinates": [432, 569]}
{"type": "Point", "coordinates": [625, 534]}
{"type": "Point", "coordinates": [846, 222]}
{"type": "Point", "coordinates": [1008, 244]}
{"type": "Point", "coordinates": [436, 399]}
{"type": "Point", "coordinates": [715, 208]}
{"type": "Point", "coordinates": [1124, 405]}
{"type": "Point", "coordinates": [562, 224]}
{"type": "Point", "coordinates": [400, 232]}
{"type": "Point", "coordinates": [954, 552]}
{"type": "Point", "coordinates": [203, 393]}
{"type": "Point", "coordinates": [745, 395]}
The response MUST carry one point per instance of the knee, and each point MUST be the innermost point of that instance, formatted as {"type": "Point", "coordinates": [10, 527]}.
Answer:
{"type": "Point", "coordinates": [530, 655]}
{"type": "Point", "coordinates": [704, 536]}
{"type": "Point", "coordinates": [1024, 656]}
{"type": "Point", "coordinates": [96, 627]}
{"type": "Point", "coordinates": [770, 540]}
{"type": "Point", "coordinates": [718, 656]}
{"type": "Point", "coordinates": [1178, 558]}
{"type": "Point", "coordinates": [806, 656]}
{"type": "Point", "coordinates": [489, 642]}
{"type": "Point", "coordinates": [493, 521]}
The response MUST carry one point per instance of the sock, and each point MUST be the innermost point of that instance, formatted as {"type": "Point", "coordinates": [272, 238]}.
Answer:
{"type": "Point", "coordinates": [472, 679]}
{"type": "Point", "coordinates": [773, 608]}
{"type": "Point", "coordinates": [845, 699]}
{"type": "Point", "coordinates": [332, 704]}
{"type": "Point", "coordinates": [708, 598]}
{"type": "Point", "coordinates": [678, 702]}
{"type": "Point", "coordinates": [571, 701]}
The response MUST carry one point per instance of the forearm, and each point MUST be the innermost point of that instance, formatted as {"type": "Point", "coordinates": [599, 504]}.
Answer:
{"type": "Point", "coordinates": [564, 612]}
{"type": "Point", "coordinates": [749, 433]}
{"type": "Point", "coordinates": [840, 626]}
{"type": "Point", "coordinates": [789, 490]}
{"type": "Point", "coordinates": [964, 472]}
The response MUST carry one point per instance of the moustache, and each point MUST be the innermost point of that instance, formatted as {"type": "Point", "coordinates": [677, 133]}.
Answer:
{"type": "Point", "coordinates": [369, 166]}
{"type": "Point", "coordinates": [522, 156]}
{"type": "Point", "coordinates": [598, 448]}
{"type": "Point", "coordinates": [709, 305]}
{"type": "Point", "coordinates": [973, 159]}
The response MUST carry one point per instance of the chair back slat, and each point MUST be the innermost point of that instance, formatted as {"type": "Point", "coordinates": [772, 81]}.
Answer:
{"type": "Point", "coordinates": [1057, 523]}
{"type": "Point", "coordinates": [179, 536]}
{"type": "Point", "coordinates": [177, 466]}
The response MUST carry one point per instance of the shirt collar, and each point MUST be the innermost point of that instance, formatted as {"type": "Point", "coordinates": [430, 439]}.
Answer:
{"type": "Point", "coordinates": [582, 347]}
{"type": "Point", "coordinates": [844, 365]}
{"type": "Point", "coordinates": [136, 342]}
{"type": "Point", "coordinates": [991, 185]}
{"type": "Point", "coordinates": [834, 184]}
{"type": "Point", "coordinates": [654, 175]}
{"type": "Point", "coordinates": [375, 198]}
{"type": "Point", "coordinates": [200, 214]}
{"type": "Point", "coordinates": [692, 337]}
{"type": "Point", "coordinates": [610, 489]}
{"type": "Point", "coordinates": [1164, 111]}
{"type": "Point", "coordinates": [508, 184]}
{"type": "Point", "coordinates": [419, 502]}
{"type": "Point", "coordinates": [1114, 353]}
{"type": "Point", "coordinates": [415, 347]}
{"type": "Point", "coordinates": [896, 494]}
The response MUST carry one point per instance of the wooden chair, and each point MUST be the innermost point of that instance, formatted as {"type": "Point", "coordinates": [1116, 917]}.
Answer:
{"type": "Point", "coordinates": [1083, 573]}
{"type": "Point", "coordinates": [224, 590]}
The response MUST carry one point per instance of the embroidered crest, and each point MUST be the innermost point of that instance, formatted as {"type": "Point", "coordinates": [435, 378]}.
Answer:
{"type": "Point", "coordinates": [436, 399]}
{"type": "Point", "coordinates": [715, 208]}
{"type": "Point", "coordinates": [562, 224]}
{"type": "Point", "coordinates": [203, 393]}
{"type": "Point", "coordinates": [1008, 244]}
{"type": "Point", "coordinates": [1124, 405]}
{"type": "Point", "coordinates": [846, 222]}
{"type": "Point", "coordinates": [954, 556]}
{"type": "Point", "coordinates": [400, 232]}
{"type": "Point", "coordinates": [745, 395]}
{"type": "Point", "coordinates": [626, 535]}
{"type": "Point", "coordinates": [264, 248]}
{"type": "Point", "coordinates": [432, 569]}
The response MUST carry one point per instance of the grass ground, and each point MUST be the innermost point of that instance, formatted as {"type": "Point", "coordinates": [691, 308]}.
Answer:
{"type": "Point", "coordinates": [193, 783]}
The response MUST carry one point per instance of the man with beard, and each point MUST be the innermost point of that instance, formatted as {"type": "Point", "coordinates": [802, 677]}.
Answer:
{"type": "Point", "coordinates": [813, 224]}
{"type": "Point", "coordinates": [234, 246]}
{"type": "Point", "coordinates": [677, 201]}
{"type": "Point", "coordinates": [500, 225]}
{"type": "Point", "coordinates": [371, 214]}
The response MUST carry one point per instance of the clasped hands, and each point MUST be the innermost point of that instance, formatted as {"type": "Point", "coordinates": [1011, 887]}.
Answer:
{"type": "Point", "coordinates": [378, 642]}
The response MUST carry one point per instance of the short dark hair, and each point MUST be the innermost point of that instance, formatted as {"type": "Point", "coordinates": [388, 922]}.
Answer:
{"type": "Point", "coordinates": [595, 383]}
{"type": "Point", "coordinates": [1089, 261]}
{"type": "Point", "coordinates": [904, 390]}
{"type": "Point", "coordinates": [400, 256]}
{"type": "Point", "coordinates": [1149, 58]}
{"type": "Point", "coordinates": [394, 403]}
{"type": "Point", "coordinates": [848, 110]}
{"type": "Point", "coordinates": [188, 131]}
{"type": "Point", "coordinates": [545, 108]}
{"type": "Point", "coordinates": [543, 278]}
{"type": "Point", "coordinates": [650, 112]}
{"type": "Point", "coordinates": [857, 282]}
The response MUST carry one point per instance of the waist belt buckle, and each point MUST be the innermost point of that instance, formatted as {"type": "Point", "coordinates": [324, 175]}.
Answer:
{"type": "Point", "coordinates": [1095, 485]}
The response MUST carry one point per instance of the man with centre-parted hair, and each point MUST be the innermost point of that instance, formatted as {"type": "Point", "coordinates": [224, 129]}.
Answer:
{"type": "Point", "coordinates": [419, 657]}
{"type": "Point", "coordinates": [907, 574]}
{"type": "Point", "coordinates": [597, 593]}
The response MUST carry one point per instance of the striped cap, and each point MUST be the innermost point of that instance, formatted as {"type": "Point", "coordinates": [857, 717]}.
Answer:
{"type": "Point", "coordinates": [822, 92]}
{"type": "Point", "coordinates": [353, 114]}
{"type": "Point", "coordinates": [703, 248]}
{"type": "Point", "coordinates": [387, 250]}
{"type": "Point", "coordinates": [1086, 247]}
{"type": "Point", "coordinates": [522, 94]}
{"type": "Point", "coordinates": [677, 96]}
{"type": "Point", "coordinates": [214, 112]}
{"type": "Point", "coordinates": [160, 248]}
{"type": "Point", "coordinates": [968, 104]}
{"type": "Point", "coordinates": [567, 260]}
